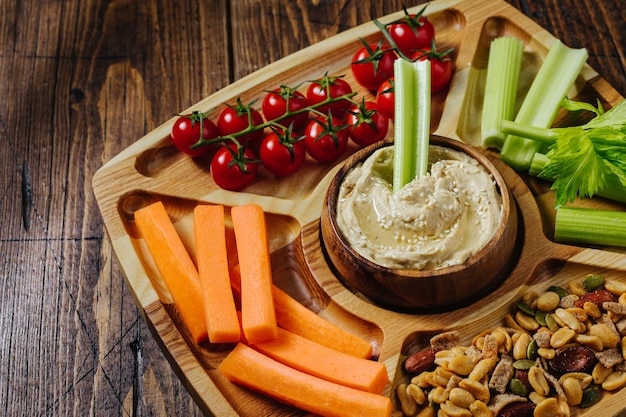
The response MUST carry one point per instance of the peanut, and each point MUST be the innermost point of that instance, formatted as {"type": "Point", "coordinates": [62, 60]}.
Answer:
{"type": "Point", "coordinates": [576, 287]}
{"type": "Point", "coordinates": [584, 378]}
{"type": "Point", "coordinates": [461, 397]}
{"type": "Point", "coordinates": [462, 365]}
{"type": "Point", "coordinates": [453, 410]}
{"type": "Point", "coordinates": [526, 322]}
{"type": "Point", "coordinates": [590, 341]}
{"type": "Point", "coordinates": [505, 343]}
{"type": "Point", "coordinates": [592, 309]}
{"type": "Point", "coordinates": [482, 368]}
{"type": "Point", "coordinates": [547, 408]}
{"type": "Point", "coordinates": [427, 412]}
{"type": "Point", "coordinates": [538, 381]}
{"type": "Point", "coordinates": [561, 337]}
{"type": "Point", "coordinates": [546, 353]}
{"type": "Point", "coordinates": [477, 389]}
{"type": "Point", "coordinates": [416, 393]}
{"type": "Point", "coordinates": [548, 301]}
{"type": "Point", "coordinates": [520, 348]}
{"type": "Point", "coordinates": [422, 380]}
{"type": "Point", "coordinates": [600, 372]}
{"type": "Point", "coordinates": [407, 403]}
{"type": "Point", "coordinates": [614, 381]}
{"type": "Point", "coordinates": [480, 409]}
{"type": "Point", "coordinates": [573, 390]}
{"type": "Point", "coordinates": [616, 287]}
{"type": "Point", "coordinates": [610, 338]}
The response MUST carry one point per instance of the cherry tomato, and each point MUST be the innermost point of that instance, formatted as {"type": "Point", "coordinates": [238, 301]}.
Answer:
{"type": "Point", "coordinates": [275, 106]}
{"type": "Point", "coordinates": [234, 119]}
{"type": "Point", "coordinates": [440, 67]}
{"type": "Point", "coordinates": [368, 123]}
{"type": "Point", "coordinates": [318, 90]}
{"type": "Point", "coordinates": [372, 65]}
{"type": "Point", "coordinates": [412, 32]}
{"type": "Point", "coordinates": [385, 98]}
{"type": "Point", "coordinates": [186, 132]}
{"type": "Point", "coordinates": [234, 168]}
{"type": "Point", "coordinates": [282, 153]}
{"type": "Point", "coordinates": [325, 139]}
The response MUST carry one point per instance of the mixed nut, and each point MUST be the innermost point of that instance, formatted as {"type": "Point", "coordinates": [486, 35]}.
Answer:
{"type": "Point", "coordinates": [557, 350]}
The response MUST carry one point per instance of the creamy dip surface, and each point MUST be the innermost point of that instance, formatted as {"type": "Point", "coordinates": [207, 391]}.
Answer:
{"type": "Point", "coordinates": [436, 221]}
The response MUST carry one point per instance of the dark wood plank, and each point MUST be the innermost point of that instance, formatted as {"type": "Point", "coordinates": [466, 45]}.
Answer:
{"type": "Point", "coordinates": [80, 81]}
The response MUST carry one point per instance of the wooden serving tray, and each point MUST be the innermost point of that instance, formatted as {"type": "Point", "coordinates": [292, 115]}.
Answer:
{"type": "Point", "coordinates": [151, 169]}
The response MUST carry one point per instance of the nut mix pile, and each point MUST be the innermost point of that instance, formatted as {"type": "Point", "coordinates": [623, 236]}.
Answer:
{"type": "Point", "coordinates": [558, 350]}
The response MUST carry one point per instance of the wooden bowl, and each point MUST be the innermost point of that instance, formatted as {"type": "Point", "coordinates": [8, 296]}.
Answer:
{"type": "Point", "coordinates": [411, 290]}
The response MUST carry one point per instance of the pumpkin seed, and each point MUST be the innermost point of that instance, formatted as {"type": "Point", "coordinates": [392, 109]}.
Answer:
{"type": "Point", "coordinates": [540, 316]}
{"type": "Point", "coordinates": [523, 364]}
{"type": "Point", "coordinates": [551, 323]}
{"type": "Point", "coordinates": [591, 396]}
{"type": "Point", "coordinates": [533, 347]}
{"type": "Point", "coordinates": [562, 292]}
{"type": "Point", "coordinates": [593, 282]}
{"type": "Point", "coordinates": [525, 308]}
{"type": "Point", "coordinates": [517, 387]}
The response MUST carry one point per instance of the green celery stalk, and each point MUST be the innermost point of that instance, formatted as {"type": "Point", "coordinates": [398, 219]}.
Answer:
{"type": "Point", "coordinates": [412, 121]}
{"type": "Point", "coordinates": [503, 71]}
{"type": "Point", "coordinates": [543, 101]}
{"type": "Point", "coordinates": [590, 226]}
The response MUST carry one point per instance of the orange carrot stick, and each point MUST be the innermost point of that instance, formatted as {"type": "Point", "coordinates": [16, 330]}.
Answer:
{"type": "Point", "coordinates": [318, 360]}
{"type": "Point", "coordinates": [175, 266]}
{"type": "Point", "coordinates": [293, 316]}
{"type": "Point", "coordinates": [257, 302]}
{"type": "Point", "coordinates": [252, 369]}
{"type": "Point", "coordinates": [212, 259]}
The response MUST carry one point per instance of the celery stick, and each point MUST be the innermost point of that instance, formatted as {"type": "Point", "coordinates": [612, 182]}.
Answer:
{"type": "Point", "coordinates": [404, 127]}
{"type": "Point", "coordinates": [590, 226]}
{"type": "Point", "coordinates": [422, 72]}
{"type": "Point", "coordinates": [412, 121]}
{"type": "Point", "coordinates": [543, 101]}
{"type": "Point", "coordinates": [503, 71]}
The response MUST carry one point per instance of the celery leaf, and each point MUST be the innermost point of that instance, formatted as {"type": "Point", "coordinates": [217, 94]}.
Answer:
{"type": "Point", "coordinates": [575, 166]}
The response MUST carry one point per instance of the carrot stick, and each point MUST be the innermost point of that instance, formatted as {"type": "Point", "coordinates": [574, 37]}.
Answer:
{"type": "Point", "coordinates": [257, 302]}
{"type": "Point", "coordinates": [252, 369]}
{"type": "Point", "coordinates": [212, 258]}
{"type": "Point", "coordinates": [293, 316]}
{"type": "Point", "coordinates": [318, 360]}
{"type": "Point", "coordinates": [175, 266]}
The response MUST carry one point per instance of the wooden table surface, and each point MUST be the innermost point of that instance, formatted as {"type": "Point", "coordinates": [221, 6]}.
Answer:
{"type": "Point", "coordinates": [82, 80]}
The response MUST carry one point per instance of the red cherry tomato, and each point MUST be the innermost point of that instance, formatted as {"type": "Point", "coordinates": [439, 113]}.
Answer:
{"type": "Point", "coordinates": [318, 90]}
{"type": "Point", "coordinates": [234, 119]}
{"type": "Point", "coordinates": [440, 67]}
{"type": "Point", "coordinates": [281, 153]}
{"type": "Point", "coordinates": [368, 123]}
{"type": "Point", "coordinates": [385, 98]}
{"type": "Point", "coordinates": [372, 65]}
{"type": "Point", "coordinates": [234, 168]}
{"type": "Point", "coordinates": [275, 106]}
{"type": "Point", "coordinates": [325, 139]}
{"type": "Point", "coordinates": [186, 132]}
{"type": "Point", "coordinates": [412, 32]}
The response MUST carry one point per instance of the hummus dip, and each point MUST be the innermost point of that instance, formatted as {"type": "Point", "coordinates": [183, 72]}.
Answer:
{"type": "Point", "coordinates": [436, 221]}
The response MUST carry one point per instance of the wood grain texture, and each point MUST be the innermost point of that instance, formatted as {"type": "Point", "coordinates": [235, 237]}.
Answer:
{"type": "Point", "coordinates": [82, 80]}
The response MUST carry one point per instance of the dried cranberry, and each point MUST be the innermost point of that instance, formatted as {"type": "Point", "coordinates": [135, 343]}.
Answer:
{"type": "Point", "coordinates": [597, 297]}
{"type": "Point", "coordinates": [574, 359]}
